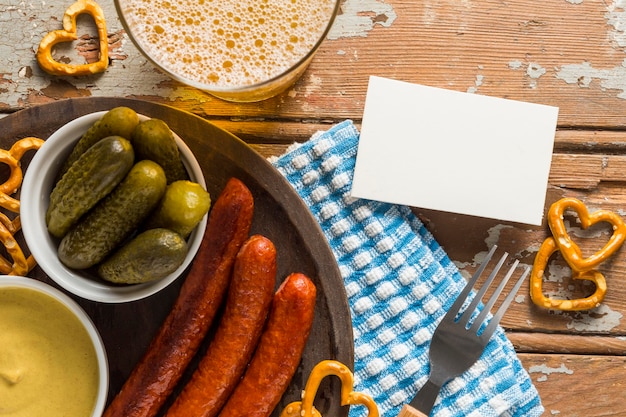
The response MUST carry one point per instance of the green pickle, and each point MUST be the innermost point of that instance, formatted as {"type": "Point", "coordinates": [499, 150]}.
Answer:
{"type": "Point", "coordinates": [153, 139]}
{"type": "Point", "coordinates": [114, 218]}
{"type": "Point", "coordinates": [181, 208]}
{"type": "Point", "coordinates": [150, 256]}
{"type": "Point", "coordinates": [119, 121]}
{"type": "Point", "coordinates": [91, 178]}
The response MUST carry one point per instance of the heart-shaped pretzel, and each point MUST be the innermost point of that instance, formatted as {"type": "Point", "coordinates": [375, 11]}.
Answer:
{"type": "Point", "coordinates": [570, 250]}
{"type": "Point", "coordinates": [12, 158]}
{"type": "Point", "coordinates": [68, 34]}
{"type": "Point", "coordinates": [323, 369]}
{"type": "Point", "coordinates": [547, 249]}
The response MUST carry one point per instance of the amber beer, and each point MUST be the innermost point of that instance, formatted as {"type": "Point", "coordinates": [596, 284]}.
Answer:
{"type": "Point", "coordinates": [239, 50]}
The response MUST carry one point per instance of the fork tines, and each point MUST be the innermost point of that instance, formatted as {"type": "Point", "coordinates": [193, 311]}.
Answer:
{"type": "Point", "coordinates": [464, 319]}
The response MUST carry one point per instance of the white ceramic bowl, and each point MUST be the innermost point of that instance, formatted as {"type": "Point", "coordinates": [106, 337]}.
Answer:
{"type": "Point", "coordinates": [36, 187]}
{"type": "Point", "coordinates": [11, 282]}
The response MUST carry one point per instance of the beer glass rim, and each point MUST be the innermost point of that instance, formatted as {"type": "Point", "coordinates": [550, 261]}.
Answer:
{"type": "Point", "coordinates": [235, 88]}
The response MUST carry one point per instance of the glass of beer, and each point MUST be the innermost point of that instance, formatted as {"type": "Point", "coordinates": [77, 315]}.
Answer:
{"type": "Point", "coordinates": [237, 50]}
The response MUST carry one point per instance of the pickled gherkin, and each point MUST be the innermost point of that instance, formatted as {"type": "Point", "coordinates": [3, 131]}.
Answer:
{"type": "Point", "coordinates": [119, 121]}
{"type": "Point", "coordinates": [181, 208]}
{"type": "Point", "coordinates": [94, 175]}
{"type": "Point", "coordinates": [149, 256]}
{"type": "Point", "coordinates": [153, 139]}
{"type": "Point", "coordinates": [115, 218]}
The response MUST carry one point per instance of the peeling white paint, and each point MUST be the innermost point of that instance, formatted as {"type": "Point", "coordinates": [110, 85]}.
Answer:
{"type": "Point", "coordinates": [314, 84]}
{"type": "Point", "coordinates": [600, 230]}
{"type": "Point", "coordinates": [24, 24]}
{"type": "Point", "coordinates": [477, 83]}
{"type": "Point", "coordinates": [558, 274]}
{"type": "Point", "coordinates": [359, 17]}
{"type": "Point", "coordinates": [535, 70]}
{"type": "Point", "coordinates": [493, 235]}
{"type": "Point", "coordinates": [515, 64]}
{"type": "Point", "coordinates": [600, 320]}
{"type": "Point", "coordinates": [583, 75]}
{"type": "Point", "coordinates": [532, 247]}
{"type": "Point", "coordinates": [29, 24]}
{"type": "Point", "coordinates": [546, 371]}
{"type": "Point", "coordinates": [616, 18]}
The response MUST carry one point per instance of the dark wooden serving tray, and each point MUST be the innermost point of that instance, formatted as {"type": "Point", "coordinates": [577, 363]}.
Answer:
{"type": "Point", "coordinates": [280, 215]}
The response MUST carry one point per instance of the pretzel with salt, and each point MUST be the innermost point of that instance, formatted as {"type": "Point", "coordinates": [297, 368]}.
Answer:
{"type": "Point", "coordinates": [20, 265]}
{"type": "Point", "coordinates": [8, 228]}
{"type": "Point", "coordinates": [582, 268]}
{"type": "Point", "coordinates": [67, 34]}
{"type": "Point", "coordinates": [12, 158]}
{"type": "Point", "coordinates": [323, 369]}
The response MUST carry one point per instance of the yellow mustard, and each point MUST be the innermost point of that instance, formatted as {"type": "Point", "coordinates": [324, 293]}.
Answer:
{"type": "Point", "coordinates": [48, 364]}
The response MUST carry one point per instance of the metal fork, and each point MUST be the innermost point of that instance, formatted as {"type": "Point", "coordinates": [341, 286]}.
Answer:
{"type": "Point", "coordinates": [458, 343]}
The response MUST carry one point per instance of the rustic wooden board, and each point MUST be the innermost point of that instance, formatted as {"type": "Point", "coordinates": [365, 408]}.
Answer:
{"type": "Point", "coordinates": [279, 214]}
{"type": "Point", "coordinates": [564, 53]}
{"type": "Point", "coordinates": [590, 386]}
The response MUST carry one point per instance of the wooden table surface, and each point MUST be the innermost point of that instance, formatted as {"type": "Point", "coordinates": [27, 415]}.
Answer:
{"type": "Point", "coordinates": [564, 53]}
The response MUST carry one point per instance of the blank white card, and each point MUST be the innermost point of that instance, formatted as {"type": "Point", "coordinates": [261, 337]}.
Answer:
{"type": "Point", "coordinates": [457, 152]}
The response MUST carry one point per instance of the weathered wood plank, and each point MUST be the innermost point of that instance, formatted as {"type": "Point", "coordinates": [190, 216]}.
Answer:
{"type": "Point", "coordinates": [567, 344]}
{"type": "Point", "coordinates": [567, 54]}
{"type": "Point", "coordinates": [579, 385]}
{"type": "Point", "coordinates": [467, 239]}
{"type": "Point", "coordinates": [584, 171]}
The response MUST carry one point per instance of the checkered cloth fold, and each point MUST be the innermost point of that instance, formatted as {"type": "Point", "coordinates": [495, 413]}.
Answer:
{"type": "Point", "coordinates": [399, 283]}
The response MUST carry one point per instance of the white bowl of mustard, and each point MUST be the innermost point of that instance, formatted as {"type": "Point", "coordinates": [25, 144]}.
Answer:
{"type": "Point", "coordinates": [52, 359]}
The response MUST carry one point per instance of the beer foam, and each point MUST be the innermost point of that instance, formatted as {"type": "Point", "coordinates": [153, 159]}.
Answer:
{"type": "Point", "coordinates": [227, 43]}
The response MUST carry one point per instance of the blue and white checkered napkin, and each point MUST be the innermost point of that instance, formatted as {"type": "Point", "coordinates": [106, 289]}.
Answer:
{"type": "Point", "coordinates": [399, 283]}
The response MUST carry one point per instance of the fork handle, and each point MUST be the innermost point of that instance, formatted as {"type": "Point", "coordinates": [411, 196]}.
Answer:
{"type": "Point", "coordinates": [408, 411]}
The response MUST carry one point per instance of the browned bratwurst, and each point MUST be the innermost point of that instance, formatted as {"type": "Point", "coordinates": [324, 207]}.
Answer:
{"type": "Point", "coordinates": [180, 335]}
{"type": "Point", "coordinates": [247, 305]}
{"type": "Point", "coordinates": [279, 351]}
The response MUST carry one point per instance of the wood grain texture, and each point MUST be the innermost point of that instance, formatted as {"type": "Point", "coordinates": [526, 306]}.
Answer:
{"type": "Point", "coordinates": [408, 411]}
{"type": "Point", "coordinates": [568, 54]}
{"type": "Point", "coordinates": [590, 385]}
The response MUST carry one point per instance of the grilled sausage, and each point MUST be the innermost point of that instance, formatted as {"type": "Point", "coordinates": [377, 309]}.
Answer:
{"type": "Point", "coordinates": [279, 351]}
{"type": "Point", "coordinates": [249, 298]}
{"type": "Point", "coordinates": [181, 334]}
